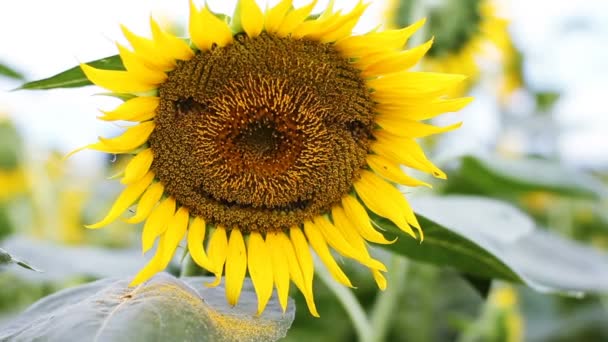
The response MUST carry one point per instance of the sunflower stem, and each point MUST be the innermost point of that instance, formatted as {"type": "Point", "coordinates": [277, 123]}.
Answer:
{"type": "Point", "coordinates": [348, 300]}
{"type": "Point", "coordinates": [190, 268]}
{"type": "Point", "coordinates": [387, 301]}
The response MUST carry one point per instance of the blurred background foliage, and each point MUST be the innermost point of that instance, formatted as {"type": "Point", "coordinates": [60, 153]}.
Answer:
{"type": "Point", "coordinates": [45, 201]}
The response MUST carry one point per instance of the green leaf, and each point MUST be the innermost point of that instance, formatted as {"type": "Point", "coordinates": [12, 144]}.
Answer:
{"type": "Point", "coordinates": [481, 285]}
{"type": "Point", "coordinates": [74, 77]}
{"type": "Point", "coordinates": [489, 238]}
{"type": "Point", "coordinates": [53, 258]}
{"type": "Point", "coordinates": [120, 96]}
{"type": "Point", "coordinates": [7, 258]}
{"type": "Point", "coordinates": [10, 72]}
{"type": "Point", "coordinates": [444, 247]}
{"type": "Point", "coordinates": [163, 309]}
{"type": "Point", "coordinates": [496, 175]}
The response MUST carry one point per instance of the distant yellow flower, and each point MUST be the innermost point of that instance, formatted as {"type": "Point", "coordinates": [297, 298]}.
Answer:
{"type": "Point", "coordinates": [505, 300]}
{"type": "Point", "coordinates": [13, 180]}
{"type": "Point", "coordinates": [462, 28]}
{"type": "Point", "coordinates": [275, 130]}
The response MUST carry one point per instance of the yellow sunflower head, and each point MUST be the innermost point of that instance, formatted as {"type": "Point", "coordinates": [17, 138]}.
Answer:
{"type": "Point", "coordinates": [271, 133]}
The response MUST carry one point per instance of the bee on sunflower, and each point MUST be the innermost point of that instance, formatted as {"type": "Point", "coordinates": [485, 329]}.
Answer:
{"type": "Point", "coordinates": [270, 133]}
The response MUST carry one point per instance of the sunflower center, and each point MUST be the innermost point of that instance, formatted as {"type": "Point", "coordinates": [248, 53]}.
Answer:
{"type": "Point", "coordinates": [262, 134]}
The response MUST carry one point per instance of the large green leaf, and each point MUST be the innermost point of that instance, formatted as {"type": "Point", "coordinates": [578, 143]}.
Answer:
{"type": "Point", "coordinates": [74, 77]}
{"type": "Point", "coordinates": [490, 238]}
{"type": "Point", "coordinates": [164, 309]}
{"type": "Point", "coordinates": [493, 174]}
{"type": "Point", "coordinates": [446, 247]}
{"type": "Point", "coordinates": [7, 258]}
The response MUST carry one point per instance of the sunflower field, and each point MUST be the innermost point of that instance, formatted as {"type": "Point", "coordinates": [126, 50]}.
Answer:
{"type": "Point", "coordinates": [248, 170]}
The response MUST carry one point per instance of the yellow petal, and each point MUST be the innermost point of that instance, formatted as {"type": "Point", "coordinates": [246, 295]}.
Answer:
{"type": "Point", "coordinates": [125, 200]}
{"type": "Point", "coordinates": [391, 171]}
{"type": "Point", "coordinates": [166, 247]}
{"type": "Point", "coordinates": [377, 42]}
{"type": "Point", "coordinates": [380, 280]}
{"type": "Point", "coordinates": [315, 28]}
{"type": "Point", "coordinates": [320, 246]}
{"type": "Point", "coordinates": [138, 69]}
{"type": "Point", "coordinates": [346, 227]}
{"type": "Point", "coordinates": [137, 107]}
{"type": "Point", "coordinates": [329, 10]}
{"type": "Point", "coordinates": [138, 166]}
{"type": "Point", "coordinates": [259, 263]}
{"type": "Point", "coordinates": [404, 151]}
{"type": "Point", "coordinates": [132, 138]}
{"type": "Point", "coordinates": [154, 266]}
{"type": "Point", "coordinates": [118, 81]}
{"type": "Point", "coordinates": [280, 268]}
{"type": "Point", "coordinates": [407, 85]}
{"type": "Point", "coordinates": [343, 224]}
{"type": "Point", "coordinates": [217, 251]}
{"type": "Point", "coordinates": [393, 61]}
{"type": "Point", "coordinates": [275, 16]}
{"type": "Point", "coordinates": [236, 266]}
{"type": "Point", "coordinates": [149, 51]}
{"type": "Point", "coordinates": [176, 230]}
{"type": "Point", "coordinates": [206, 29]}
{"type": "Point", "coordinates": [169, 45]}
{"type": "Point", "coordinates": [252, 18]}
{"type": "Point", "coordinates": [386, 201]}
{"type": "Point", "coordinates": [147, 202]}
{"type": "Point", "coordinates": [422, 110]}
{"type": "Point", "coordinates": [196, 237]}
{"type": "Point", "coordinates": [157, 222]}
{"type": "Point", "coordinates": [294, 18]}
{"type": "Point", "coordinates": [342, 28]}
{"type": "Point", "coordinates": [302, 252]}
{"type": "Point", "coordinates": [361, 221]}
{"type": "Point", "coordinates": [295, 273]}
{"type": "Point", "coordinates": [99, 146]}
{"type": "Point", "coordinates": [337, 241]}
{"type": "Point", "coordinates": [411, 128]}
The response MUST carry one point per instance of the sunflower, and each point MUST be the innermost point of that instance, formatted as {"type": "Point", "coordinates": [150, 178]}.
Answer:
{"type": "Point", "coordinates": [462, 29]}
{"type": "Point", "coordinates": [271, 133]}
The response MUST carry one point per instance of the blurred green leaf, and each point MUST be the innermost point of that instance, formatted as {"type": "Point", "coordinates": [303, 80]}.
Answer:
{"type": "Point", "coordinates": [74, 77]}
{"type": "Point", "coordinates": [497, 175]}
{"type": "Point", "coordinates": [9, 72]}
{"type": "Point", "coordinates": [61, 262]}
{"type": "Point", "coordinates": [163, 309]}
{"type": "Point", "coordinates": [490, 238]}
{"type": "Point", "coordinates": [545, 100]}
{"type": "Point", "coordinates": [7, 258]}
{"type": "Point", "coordinates": [11, 146]}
